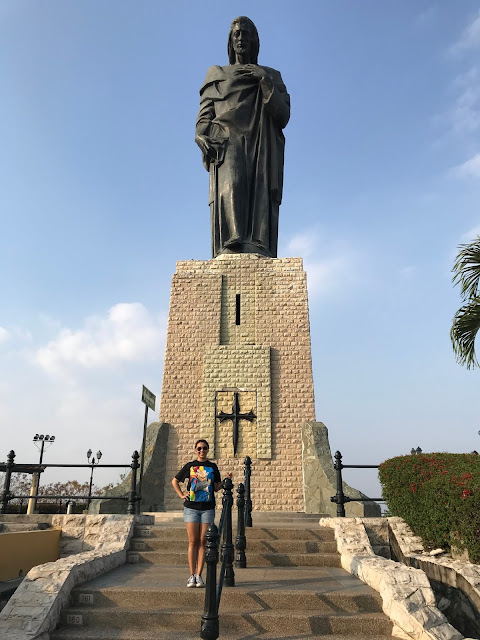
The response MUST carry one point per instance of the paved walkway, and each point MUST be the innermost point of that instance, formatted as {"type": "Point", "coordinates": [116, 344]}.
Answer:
{"type": "Point", "coordinates": [319, 579]}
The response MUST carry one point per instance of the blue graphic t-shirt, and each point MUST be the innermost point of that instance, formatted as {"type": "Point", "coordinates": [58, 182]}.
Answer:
{"type": "Point", "coordinates": [201, 477]}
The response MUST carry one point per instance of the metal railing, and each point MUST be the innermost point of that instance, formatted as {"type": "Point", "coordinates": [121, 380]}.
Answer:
{"type": "Point", "coordinates": [210, 625]}
{"type": "Point", "coordinates": [340, 498]}
{"type": "Point", "coordinates": [10, 467]}
{"type": "Point", "coordinates": [247, 473]}
{"type": "Point", "coordinates": [213, 595]}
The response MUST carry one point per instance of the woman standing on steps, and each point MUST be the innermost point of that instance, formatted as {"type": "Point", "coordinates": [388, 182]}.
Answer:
{"type": "Point", "coordinates": [199, 505]}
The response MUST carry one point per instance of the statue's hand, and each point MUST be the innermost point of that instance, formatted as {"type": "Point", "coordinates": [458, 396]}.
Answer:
{"type": "Point", "coordinates": [251, 70]}
{"type": "Point", "coordinates": [210, 148]}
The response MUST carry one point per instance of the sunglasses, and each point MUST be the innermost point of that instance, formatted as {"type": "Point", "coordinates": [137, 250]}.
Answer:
{"type": "Point", "coordinates": [202, 448]}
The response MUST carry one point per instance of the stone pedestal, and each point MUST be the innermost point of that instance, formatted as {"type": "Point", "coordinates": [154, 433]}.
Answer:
{"type": "Point", "coordinates": [239, 323]}
{"type": "Point", "coordinates": [238, 326]}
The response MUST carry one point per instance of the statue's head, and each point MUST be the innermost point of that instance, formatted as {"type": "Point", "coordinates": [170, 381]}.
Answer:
{"type": "Point", "coordinates": [243, 34]}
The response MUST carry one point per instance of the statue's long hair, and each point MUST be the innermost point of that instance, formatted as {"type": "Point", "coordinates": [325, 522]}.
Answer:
{"type": "Point", "coordinates": [255, 45]}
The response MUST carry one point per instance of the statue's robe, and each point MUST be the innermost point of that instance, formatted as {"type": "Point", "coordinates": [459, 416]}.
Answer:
{"type": "Point", "coordinates": [246, 179]}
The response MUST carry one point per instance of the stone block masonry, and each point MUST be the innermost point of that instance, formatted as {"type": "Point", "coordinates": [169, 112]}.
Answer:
{"type": "Point", "coordinates": [240, 323]}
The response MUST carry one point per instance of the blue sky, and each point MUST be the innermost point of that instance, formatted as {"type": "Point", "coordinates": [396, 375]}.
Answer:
{"type": "Point", "coordinates": [102, 190]}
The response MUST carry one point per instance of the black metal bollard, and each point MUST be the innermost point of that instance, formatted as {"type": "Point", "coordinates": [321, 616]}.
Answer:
{"type": "Point", "coordinates": [6, 483]}
{"type": "Point", "coordinates": [210, 627]}
{"type": "Point", "coordinates": [228, 550]}
{"type": "Point", "coordinates": [248, 501]}
{"type": "Point", "coordinates": [241, 540]}
{"type": "Point", "coordinates": [339, 498]}
{"type": "Point", "coordinates": [132, 496]}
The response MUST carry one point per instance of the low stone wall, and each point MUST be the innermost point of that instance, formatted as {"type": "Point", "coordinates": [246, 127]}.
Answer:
{"type": "Point", "coordinates": [408, 599]}
{"type": "Point", "coordinates": [441, 570]}
{"type": "Point", "coordinates": [90, 545]}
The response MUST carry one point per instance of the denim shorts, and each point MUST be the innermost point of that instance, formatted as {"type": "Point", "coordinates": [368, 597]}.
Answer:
{"type": "Point", "coordinates": [195, 515]}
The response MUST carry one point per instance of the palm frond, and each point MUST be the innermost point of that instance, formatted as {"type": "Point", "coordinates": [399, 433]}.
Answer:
{"type": "Point", "coordinates": [467, 269]}
{"type": "Point", "coordinates": [466, 324]}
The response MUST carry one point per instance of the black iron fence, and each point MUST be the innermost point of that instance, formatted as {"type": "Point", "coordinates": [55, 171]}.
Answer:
{"type": "Point", "coordinates": [340, 498]}
{"type": "Point", "coordinates": [213, 594]}
{"type": "Point", "coordinates": [10, 467]}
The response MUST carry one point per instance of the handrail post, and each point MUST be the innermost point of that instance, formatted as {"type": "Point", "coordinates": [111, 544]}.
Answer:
{"type": "Point", "coordinates": [210, 626]}
{"type": "Point", "coordinates": [340, 496]}
{"type": "Point", "coordinates": [228, 549]}
{"type": "Point", "coordinates": [248, 500]}
{"type": "Point", "coordinates": [132, 496]}
{"type": "Point", "coordinates": [6, 483]}
{"type": "Point", "coordinates": [241, 541]}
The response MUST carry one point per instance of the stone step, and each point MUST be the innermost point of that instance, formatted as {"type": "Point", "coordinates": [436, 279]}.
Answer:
{"type": "Point", "coordinates": [343, 601]}
{"type": "Point", "coordinates": [181, 618]}
{"type": "Point", "coordinates": [274, 517]}
{"type": "Point", "coordinates": [253, 559]}
{"type": "Point", "coordinates": [105, 634]}
{"type": "Point", "coordinates": [15, 527]}
{"type": "Point", "coordinates": [264, 516]}
{"type": "Point", "coordinates": [258, 546]}
{"type": "Point", "coordinates": [256, 533]}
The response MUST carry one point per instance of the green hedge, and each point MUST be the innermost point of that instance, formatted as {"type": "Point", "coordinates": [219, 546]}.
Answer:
{"type": "Point", "coordinates": [438, 495]}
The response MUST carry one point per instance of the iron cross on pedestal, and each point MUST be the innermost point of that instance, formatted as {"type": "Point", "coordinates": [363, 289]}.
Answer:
{"type": "Point", "coordinates": [235, 417]}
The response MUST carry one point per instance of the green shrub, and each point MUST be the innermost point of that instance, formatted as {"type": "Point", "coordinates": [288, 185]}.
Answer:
{"type": "Point", "coordinates": [438, 495]}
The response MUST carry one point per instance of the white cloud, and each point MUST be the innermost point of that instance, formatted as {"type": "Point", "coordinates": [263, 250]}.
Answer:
{"type": "Point", "coordinates": [328, 276]}
{"type": "Point", "coordinates": [128, 333]}
{"type": "Point", "coordinates": [94, 398]}
{"type": "Point", "coordinates": [467, 170]}
{"type": "Point", "coordinates": [303, 244]}
{"type": "Point", "coordinates": [469, 38]}
{"type": "Point", "coordinates": [465, 114]}
{"type": "Point", "coordinates": [462, 118]}
{"type": "Point", "coordinates": [471, 234]}
{"type": "Point", "coordinates": [335, 271]}
{"type": "Point", "coordinates": [4, 335]}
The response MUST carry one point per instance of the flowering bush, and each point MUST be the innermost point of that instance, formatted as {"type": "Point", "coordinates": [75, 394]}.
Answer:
{"type": "Point", "coordinates": [438, 495]}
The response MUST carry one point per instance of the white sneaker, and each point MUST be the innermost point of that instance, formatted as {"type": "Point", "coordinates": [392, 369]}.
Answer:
{"type": "Point", "coordinates": [199, 581]}
{"type": "Point", "coordinates": [191, 582]}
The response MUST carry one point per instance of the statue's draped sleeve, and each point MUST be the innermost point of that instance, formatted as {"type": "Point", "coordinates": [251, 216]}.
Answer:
{"type": "Point", "coordinates": [209, 94]}
{"type": "Point", "coordinates": [276, 98]}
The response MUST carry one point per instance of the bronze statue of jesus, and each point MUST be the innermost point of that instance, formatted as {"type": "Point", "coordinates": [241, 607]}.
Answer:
{"type": "Point", "coordinates": [243, 110]}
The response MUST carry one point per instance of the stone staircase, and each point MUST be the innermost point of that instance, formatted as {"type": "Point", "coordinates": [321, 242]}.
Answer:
{"type": "Point", "coordinates": [292, 589]}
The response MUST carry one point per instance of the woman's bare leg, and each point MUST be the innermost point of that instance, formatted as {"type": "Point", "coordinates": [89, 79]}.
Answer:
{"type": "Point", "coordinates": [201, 549]}
{"type": "Point", "coordinates": [193, 532]}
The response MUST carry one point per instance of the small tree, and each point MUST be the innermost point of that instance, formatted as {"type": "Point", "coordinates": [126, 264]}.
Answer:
{"type": "Point", "coordinates": [20, 485]}
{"type": "Point", "coordinates": [466, 322]}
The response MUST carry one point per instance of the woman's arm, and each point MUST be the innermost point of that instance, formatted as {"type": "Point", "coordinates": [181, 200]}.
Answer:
{"type": "Point", "coordinates": [178, 491]}
{"type": "Point", "coordinates": [218, 485]}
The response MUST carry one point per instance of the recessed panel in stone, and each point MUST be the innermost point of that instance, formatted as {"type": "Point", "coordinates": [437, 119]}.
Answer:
{"type": "Point", "coordinates": [247, 430]}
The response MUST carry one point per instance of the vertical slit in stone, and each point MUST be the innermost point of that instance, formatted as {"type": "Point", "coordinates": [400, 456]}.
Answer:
{"type": "Point", "coordinates": [237, 309]}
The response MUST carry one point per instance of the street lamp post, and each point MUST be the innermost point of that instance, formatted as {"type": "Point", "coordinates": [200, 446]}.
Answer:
{"type": "Point", "coordinates": [93, 463]}
{"type": "Point", "coordinates": [32, 502]}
